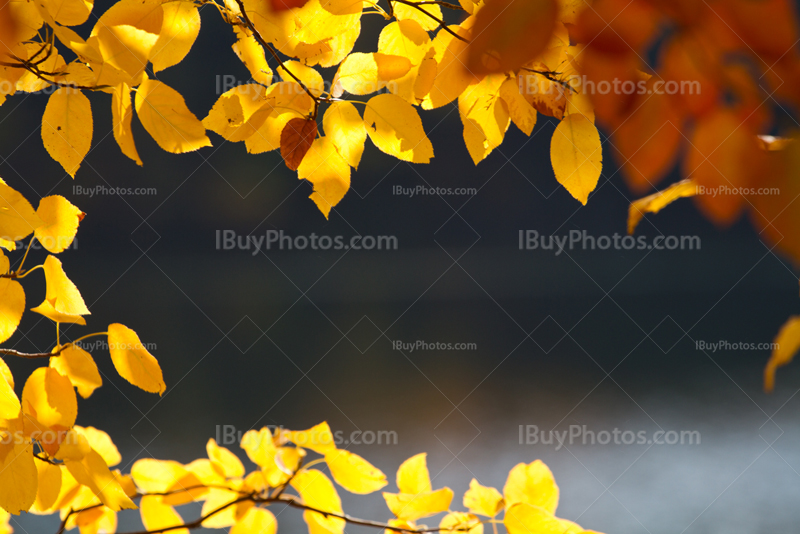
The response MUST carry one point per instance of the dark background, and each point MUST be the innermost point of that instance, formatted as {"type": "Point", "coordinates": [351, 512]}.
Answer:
{"type": "Point", "coordinates": [598, 338]}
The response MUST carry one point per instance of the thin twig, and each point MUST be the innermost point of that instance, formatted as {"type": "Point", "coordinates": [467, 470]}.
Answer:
{"type": "Point", "coordinates": [441, 22]}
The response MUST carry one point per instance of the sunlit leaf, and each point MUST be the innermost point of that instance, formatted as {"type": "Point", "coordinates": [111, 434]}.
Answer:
{"type": "Point", "coordinates": [133, 361]}
{"type": "Point", "coordinates": [577, 156]}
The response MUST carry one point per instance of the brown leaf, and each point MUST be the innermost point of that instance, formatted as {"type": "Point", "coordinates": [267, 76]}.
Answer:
{"type": "Point", "coordinates": [296, 139]}
{"type": "Point", "coordinates": [510, 33]}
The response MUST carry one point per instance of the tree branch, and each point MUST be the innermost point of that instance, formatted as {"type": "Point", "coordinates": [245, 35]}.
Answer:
{"type": "Point", "coordinates": [32, 355]}
{"type": "Point", "coordinates": [441, 22]}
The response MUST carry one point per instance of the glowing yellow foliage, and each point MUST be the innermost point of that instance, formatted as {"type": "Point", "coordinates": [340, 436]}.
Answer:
{"type": "Point", "coordinates": [63, 301]}
{"type": "Point", "coordinates": [524, 518]}
{"type": "Point", "coordinates": [157, 515]}
{"type": "Point", "coordinates": [396, 129]}
{"type": "Point", "coordinates": [179, 29]}
{"type": "Point", "coordinates": [354, 473]}
{"type": "Point", "coordinates": [239, 112]}
{"type": "Point", "coordinates": [345, 128]}
{"type": "Point", "coordinates": [483, 500]}
{"type": "Point", "coordinates": [122, 113]}
{"type": "Point", "coordinates": [18, 476]}
{"type": "Point", "coordinates": [577, 156]}
{"type": "Point", "coordinates": [61, 219]}
{"type": "Point", "coordinates": [167, 119]}
{"type": "Point", "coordinates": [67, 128]}
{"type": "Point", "coordinates": [485, 117]}
{"type": "Point", "coordinates": [17, 217]}
{"type": "Point", "coordinates": [330, 174]}
{"type": "Point", "coordinates": [533, 484]}
{"type": "Point", "coordinates": [256, 520]}
{"type": "Point", "coordinates": [79, 366]}
{"type": "Point", "coordinates": [252, 55]}
{"type": "Point", "coordinates": [224, 461]}
{"type": "Point", "coordinates": [461, 522]}
{"type": "Point", "coordinates": [133, 361]}
{"type": "Point", "coordinates": [318, 492]}
{"type": "Point", "coordinates": [411, 507]}
{"type": "Point", "coordinates": [12, 306]}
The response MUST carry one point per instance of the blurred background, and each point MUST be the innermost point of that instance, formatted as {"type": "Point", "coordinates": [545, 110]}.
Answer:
{"type": "Point", "coordinates": [606, 339]}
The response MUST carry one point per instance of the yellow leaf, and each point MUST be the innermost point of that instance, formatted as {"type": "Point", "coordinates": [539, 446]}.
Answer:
{"type": "Point", "coordinates": [522, 113]}
{"type": "Point", "coordinates": [658, 201]}
{"type": "Point", "coordinates": [396, 129]}
{"type": "Point", "coordinates": [9, 402]}
{"type": "Point", "coordinates": [74, 446]}
{"type": "Point", "coordinates": [483, 500]}
{"type": "Point", "coordinates": [345, 129]}
{"type": "Point", "coordinates": [317, 491]}
{"type": "Point", "coordinates": [49, 485]}
{"type": "Point", "coordinates": [167, 476]}
{"type": "Point", "coordinates": [61, 220]}
{"type": "Point", "coordinates": [166, 118]}
{"type": "Point", "coordinates": [17, 218]}
{"type": "Point", "coordinates": [79, 366]}
{"type": "Point", "coordinates": [5, 373]}
{"type": "Point", "coordinates": [309, 76]}
{"type": "Point", "coordinates": [256, 521]}
{"type": "Point", "coordinates": [122, 113]}
{"type": "Point", "coordinates": [239, 112]}
{"type": "Point", "coordinates": [218, 498]}
{"type": "Point", "coordinates": [524, 518]}
{"type": "Point", "coordinates": [405, 38]}
{"type": "Point", "coordinates": [101, 442]}
{"type": "Point", "coordinates": [49, 403]}
{"type": "Point", "coordinates": [126, 48]}
{"type": "Point", "coordinates": [428, 23]}
{"type": "Point", "coordinates": [577, 156]}
{"type": "Point", "coordinates": [179, 29]}
{"type": "Point", "coordinates": [63, 301]}
{"type": "Point", "coordinates": [132, 360]}
{"type": "Point", "coordinates": [330, 174]}
{"type": "Point", "coordinates": [461, 522]}
{"type": "Point", "coordinates": [252, 55]}
{"type": "Point", "coordinates": [67, 128]}
{"type": "Point", "coordinates": [69, 12]}
{"type": "Point", "coordinates": [354, 473]}
{"type": "Point", "coordinates": [285, 101]}
{"type": "Point", "coordinates": [485, 117]}
{"type": "Point", "coordinates": [18, 476]}
{"type": "Point", "coordinates": [451, 76]}
{"type": "Point", "coordinates": [787, 343]}
{"type": "Point", "coordinates": [413, 476]}
{"type": "Point", "coordinates": [411, 507]}
{"type": "Point", "coordinates": [358, 74]}
{"type": "Point", "coordinates": [12, 306]}
{"type": "Point", "coordinates": [315, 24]}
{"type": "Point", "coordinates": [156, 515]}
{"type": "Point", "coordinates": [318, 438]}
{"type": "Point", "coordinates": [259, 447]}
{"type": "Point", "coordinates": [533, 484]}
{"type": "Point", "coordinates": [224, 461]}
{"type": "Point", "coordinates": [92, 471]}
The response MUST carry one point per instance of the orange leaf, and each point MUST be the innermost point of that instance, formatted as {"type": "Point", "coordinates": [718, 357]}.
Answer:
{"type": "Point", "coordinates": [296, 139]}
{"type": "Point", "coordinates": [510, 33]}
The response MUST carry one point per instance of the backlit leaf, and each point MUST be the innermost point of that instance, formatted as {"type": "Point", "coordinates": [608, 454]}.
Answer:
{"type": "Point", "coordinates": [179, 30]}
{"type": "Point", "coordinates": [396, 129]}
{"type": "Point", "coordinates": [354, 473]}
{"type": "Point", "coordinates": [166, 118]}
{"type": "Point", "coordinates": [61, 219]}
{"type": "Point", "coordinates": [121, 114]}
{"type": "Point", "coordinates": [658, 201]}
{"type": "Point", "coordinates": [330, 174]}
{"type": "Point", "coordinates": [411, 506]}
{"type": "Point", "coordinates": [524, 518]}
{"type": "Point", "coordinates": [67, 128]}
{"type": "Point", "coordinates": [483, 500]}
{"type": "Point", "coordinates": [577, 156]}
{"type": "Point", "coordinates": [344, 126]}
{"type": "Point", "coordinates": [531, 484]}
{"type": "Point", "coordinates": [63, 301]}
{"type": "Point", "coordinates": [12, 306]}
{"type": "Point", "coordinates": [79, 366]}
{"type": "Point", "coordinates": [17, 217]}
{"type": "Point", "coordinates": [132, 360]}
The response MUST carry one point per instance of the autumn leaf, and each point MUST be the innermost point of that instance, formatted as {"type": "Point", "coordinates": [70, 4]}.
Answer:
{"type": "Point", "coordinates": [18, 219]}
{"type": "Point", "coordinates": [166, 118]}
{"type": "Point", "coordinates": [121, 114]}
{"type": "Point", "coordinates": [18, 475]}
{"type": "Point", "coordinates": [577, 156]}
{"type": "Point", "coordinates": [12, 306]}
{"type": "Point", "coordinates": [179, 30]}
{"type": "Point", "coordinates": [63, 302]}
{"type": "Point", "coordinates": [296, 139]}
{"type": "Point", "coordinates": [461, 522]}
{"type": "Point", "coordinates": [510, 33]}
{"type": "Point", "coordinates": [133, 361]}
{"type": "Point", "coordinates": [61, 219]}
{"type": "Point", "coordinates": [396, 129]}
{"type": "Point", "coordinates": [344, 126]}
{"type": "Point", "coordinates": [658, 201]}
{"type": "Point", "coordinates": [317, 491]}
{"type": "Point", "coordinates": [525, 518]}
{"type": "Point", "coordinates": [787, 343]}
{"type": "Point", "coordinates": [67, 128]}
{"type": "Point", "coordinates": [483, 500]}
{"type": "Point", "coordinates": [531, 484]}
{"type": "Point", "coordinates": [328, 171]}
{"type": "Point", "coordinates": [81, 369]}
{"type": "Point", "coordinates": [354, 473]}
{"type": "Point", "coordinates": [224, 461]}
{"type": "Point", "coordinates": [256, 520]}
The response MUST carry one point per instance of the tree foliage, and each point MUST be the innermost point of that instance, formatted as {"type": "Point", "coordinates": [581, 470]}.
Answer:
{"type": "Point", "coordinates": [506, 62]}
